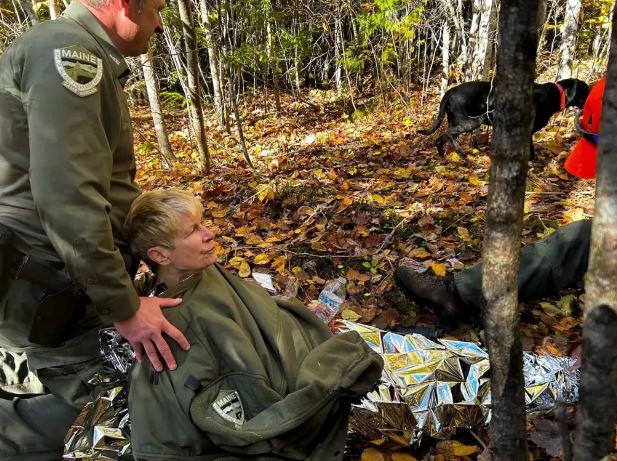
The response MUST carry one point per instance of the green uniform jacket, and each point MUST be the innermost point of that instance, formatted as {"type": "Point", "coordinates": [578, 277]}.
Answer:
{"type": "Point", "coordinates": [66, 154]}
{"type": "Point", "coordinates": [264, 379]}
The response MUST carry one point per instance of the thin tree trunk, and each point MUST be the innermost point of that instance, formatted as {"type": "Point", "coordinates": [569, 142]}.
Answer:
{"type": "Point", "coordinates": [491, 48]}
{"type": "Point", "coordinates": [152, 89]}
{"type": "Point", "coordinates": [445, 57]}
{"type": "Point", "coordinates": [53, 13]}
{"type": "Point", "coordinates": [192, 61]}
{"type": "Point", "coordinates": [480, 34]}
{"type": "Point", "coordinates": [598, 402]}
{"type": "Point", "coordinates": [213, 60]}
{"type": "Point", "coordinates": [272, 58]}
{"type": "Point", "coordinates": [338, 47]}
{"type": "Point", "coordinates": [26, 5]}
{"type": "Point", "coordinates": [234, 107]}
{"type": "Point", "coordinates": [510, 154]}
{"type": "Point", "coordinates": [568, 38]}
{"type": "Point", "coordinates": [464, 43]}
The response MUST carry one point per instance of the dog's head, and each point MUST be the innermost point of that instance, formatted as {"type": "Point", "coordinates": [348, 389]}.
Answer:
{"type": "Point", "coordinates": [576, 92]}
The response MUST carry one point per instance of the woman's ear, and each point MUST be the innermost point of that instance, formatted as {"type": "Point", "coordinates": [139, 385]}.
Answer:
{"type": "Point", "coordinates": [159, 255]}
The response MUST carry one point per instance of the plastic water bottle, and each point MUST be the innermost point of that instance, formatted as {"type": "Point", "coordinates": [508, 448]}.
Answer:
{"type": "Point", "coordinates": [331, 299]}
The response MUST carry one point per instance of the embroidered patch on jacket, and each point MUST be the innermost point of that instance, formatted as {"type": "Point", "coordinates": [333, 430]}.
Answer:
{"type": "Point", "coordinates": [229, 407]}
{"type": "Point", "coordinates": [81, 71]}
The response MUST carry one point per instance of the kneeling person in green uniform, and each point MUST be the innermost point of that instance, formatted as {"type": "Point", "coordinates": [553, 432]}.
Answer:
{"type": "Point", "coordinates": [264, 378]}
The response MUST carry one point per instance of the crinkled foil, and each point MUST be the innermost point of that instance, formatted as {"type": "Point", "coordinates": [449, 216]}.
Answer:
{"type": "Point", "coordinates": [101, 432]}
{"type": "Point", "coordinates": [427, 388]}
{"type": "Point", "coordinates": [434, 387]}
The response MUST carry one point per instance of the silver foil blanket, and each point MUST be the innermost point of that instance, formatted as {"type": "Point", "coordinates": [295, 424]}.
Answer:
{"type": "Point", "coordinates": [427, 388]}
{"type": "Point", "coordinates": [101, 432]}
{"type": "Point", "coordinates": [434, 387]}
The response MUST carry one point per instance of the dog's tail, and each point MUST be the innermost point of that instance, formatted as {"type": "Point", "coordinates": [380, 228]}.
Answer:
{"type": "Point", "coordinates": [440, 116]}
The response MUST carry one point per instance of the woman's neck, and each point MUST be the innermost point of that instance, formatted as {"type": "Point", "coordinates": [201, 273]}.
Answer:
{"type": "Point", "coordinates": [171, 276]}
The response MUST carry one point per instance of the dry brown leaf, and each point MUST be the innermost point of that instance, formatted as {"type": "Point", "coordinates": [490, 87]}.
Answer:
{"type": "Point", "coordinates": [402, 457]}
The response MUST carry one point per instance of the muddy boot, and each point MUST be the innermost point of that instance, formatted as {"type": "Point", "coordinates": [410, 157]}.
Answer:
{"type": "Point", "coordinates": [438, 293]}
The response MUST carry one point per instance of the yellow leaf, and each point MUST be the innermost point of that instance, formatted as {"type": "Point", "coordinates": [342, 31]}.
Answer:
{"type": "Point", "coordinates": [279, 264]}
{"type": "Point", "coordinates": [350, 315]}
{"type": "Point", "coordinates": [244, 270]}
{"type": "Point", "coordinates": [219, 213]}
{"type": "Point", "coordinates": [261, 259]}
{"type": "Point", "coordinates": [370, 454]}
{"type": "Point", "coordinates": [236, 261]}
{"type": "Point", "coordinates": [438, 268]}
{"type": "Point", "coordinates": [363, 231]}
{"type": "Point", "coordinates": [463, 233]}
{"type": "Point", "coordinates": [377, 199]}
{"type": "Point", "coordinates": [473, 179]}
{"type": "Point", "coordinates": [454, 448]}
{"type": "Point", "coordinates": [402, 457]}
{"type": "Point", "coordinates": [266, 193]}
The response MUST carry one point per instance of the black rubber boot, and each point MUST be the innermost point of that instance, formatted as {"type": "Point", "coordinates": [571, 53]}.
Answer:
{"type": "Point", "coordinates": [438, 293]}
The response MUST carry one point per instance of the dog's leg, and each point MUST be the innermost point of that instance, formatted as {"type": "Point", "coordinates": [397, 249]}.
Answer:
{"type": "Point", "coordinates": [460, 127]}
{"type": "Point", "coordinates": [457, 146]}
{"type": "Point", "coordinates": [532, 150]}
{"type": "Point", "coordinates": [441, 143]}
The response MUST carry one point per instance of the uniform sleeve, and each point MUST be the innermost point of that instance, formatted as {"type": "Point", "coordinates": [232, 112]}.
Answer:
{"type": "Point", "coordinates": [70, 173]}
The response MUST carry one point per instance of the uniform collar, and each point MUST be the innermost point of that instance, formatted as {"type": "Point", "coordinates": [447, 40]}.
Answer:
{"type": "Point", "coordinates": [86, 19]}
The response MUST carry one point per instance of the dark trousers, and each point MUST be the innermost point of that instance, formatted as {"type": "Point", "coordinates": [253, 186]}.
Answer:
{"type": "Point", "coordinates": [547, 266]}
{"type": "Point", "coordinates": [32, 428]}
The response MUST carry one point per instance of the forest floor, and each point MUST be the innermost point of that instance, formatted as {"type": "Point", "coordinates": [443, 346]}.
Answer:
{"type": "Point", "coordinates": [355, 191]}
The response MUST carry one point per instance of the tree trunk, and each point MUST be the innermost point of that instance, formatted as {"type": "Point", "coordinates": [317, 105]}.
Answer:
{"type": "Point", "coordinates": [272, 58]}
{"type": "Point", "coordinates": [479, 38]}
{"type": "Point", "coordinates": [152, 89]}
{"type": "Point", "coordinates": [491, 49]}
{"type": "Point", "coordinates": [568, 39]}
{"type": "Point", "coordinates": [213, 60]}
{"type": "Point", "coordinates": [445, 57]}
{"type": "Point", "coordinates": [192, 61]}
{"type": "Point", "coordinates": [53, 13]}
{"type": "Point", "coordinates": [598, 403]}
{"type": "Point", "coordinates": [234, 107]}
{"type": "Point", "coordinates": [455, 13]}
{"type": "Point", "coordinates": [462, 36]}
{"type": "Point", "coordinates": [26, 5]}
{"type": "Point", "coordinates": [338, 50]}
{"type": "Point", "coordinates": [510, 154]}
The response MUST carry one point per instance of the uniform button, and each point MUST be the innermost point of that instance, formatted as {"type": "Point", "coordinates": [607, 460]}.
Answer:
{"type": "Point", "coordinates": [90, 280]}
{"type": "Point", "coordinates": [105, 311]}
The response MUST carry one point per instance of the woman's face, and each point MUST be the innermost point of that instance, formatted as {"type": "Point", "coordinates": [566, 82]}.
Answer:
{"type": "Point", "coordinates": [194, 248]}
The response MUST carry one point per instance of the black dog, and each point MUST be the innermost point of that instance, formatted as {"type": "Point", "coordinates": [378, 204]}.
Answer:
{"type": "Point", "coordinates": [470, 105]}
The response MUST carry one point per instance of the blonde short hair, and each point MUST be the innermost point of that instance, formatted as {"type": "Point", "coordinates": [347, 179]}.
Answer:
{"type": "Point", "coordinates": [154, 216]}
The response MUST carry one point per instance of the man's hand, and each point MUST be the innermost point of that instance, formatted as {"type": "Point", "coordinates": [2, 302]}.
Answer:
{"type": "Point", "coordinates": [144, 330]}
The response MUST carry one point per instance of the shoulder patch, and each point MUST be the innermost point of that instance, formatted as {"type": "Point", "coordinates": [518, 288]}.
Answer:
{"type": "Point", "coordinates": [229, 407]}
{"type": "Point", "coordinates": [81, 71]}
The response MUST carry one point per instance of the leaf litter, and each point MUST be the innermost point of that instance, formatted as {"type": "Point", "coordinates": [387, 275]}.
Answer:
{"type": "Point", "coordinates": [354, 194]}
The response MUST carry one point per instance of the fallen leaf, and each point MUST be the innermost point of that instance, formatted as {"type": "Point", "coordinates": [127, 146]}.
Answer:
{"type": "Point", "coordinates": [371, 454]}
{"type": "Point", "coordinates": [473, 179]}
{"type": "Point", "coordinates": [438, 268]}
{"type": "Point", "coordinates": [454, 448]}
{"type": "Point", "coordinates": [402, 457]}
{"type": "Point", "coordinates": [566, 323]}
{"type": "Point", "coordinates": [261, 259]}
{"type": "Point", "coordinates": [244, 270]}
{"type": "Point", "coordinates": [463, 233]}
{"type": "Point", "coordinates": [546, 435]}
{"type": "Point", "coordinates": [350, 315]}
